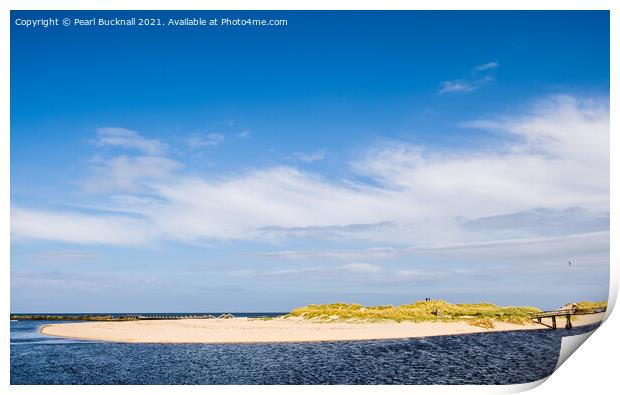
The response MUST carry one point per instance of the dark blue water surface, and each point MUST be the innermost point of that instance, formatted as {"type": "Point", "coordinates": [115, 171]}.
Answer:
{"type": "Point", "coordinates": [486, 358]}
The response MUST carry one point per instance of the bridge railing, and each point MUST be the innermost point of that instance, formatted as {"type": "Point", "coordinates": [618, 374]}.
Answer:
{"type": "Point", "coordinates": [174, 317]}
{"type": "Point", "coordinates": [554, 313]}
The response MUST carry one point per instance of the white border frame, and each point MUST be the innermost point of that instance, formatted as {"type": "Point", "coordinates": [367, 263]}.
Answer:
{"type": "Point", "coordinates": [601, 347]}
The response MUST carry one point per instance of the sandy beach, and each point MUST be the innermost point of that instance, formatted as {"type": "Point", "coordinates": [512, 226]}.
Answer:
{"type": "Point", "coordinates": [241, 330]}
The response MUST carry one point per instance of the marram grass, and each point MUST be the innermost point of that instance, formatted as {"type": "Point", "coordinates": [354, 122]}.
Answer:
{"type": "Point", "coordinates": [590, 305]}
{"type": "Point", "coordinates": [478, 314]}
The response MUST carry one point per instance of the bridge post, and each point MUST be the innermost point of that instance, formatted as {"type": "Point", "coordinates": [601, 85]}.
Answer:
{"type": "Point", "coordinates": [539, 320]}
{"type": "Point", "coordinates": [569, 324]}
{"type": "Point", "coordinates": [553, 321]}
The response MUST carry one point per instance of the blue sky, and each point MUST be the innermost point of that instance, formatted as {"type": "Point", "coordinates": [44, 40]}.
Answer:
{"type": "Point", "coordinates": [376, 158]}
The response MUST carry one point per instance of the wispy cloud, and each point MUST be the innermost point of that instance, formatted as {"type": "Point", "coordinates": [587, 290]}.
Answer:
{"type": "Point", "coordinates": [364, 268]}
{"type": "Point", "coordinates": [487, 66]}
{"type": "Point", "coordinates": [80, 228]}
{"type": "Point", "coordinates": [555, 156]}
{"type": "Point", "coordinates": [332, 231]}
{"type": "Point", "coordinates": [457, 86]}
{"type": "Point", "coordinates": [542, 221]}
{"type": "Point", "coordinates": [127, 173]}
{"type": "Point", "coordinates": [276, 272]}
{"type": "Point", "coordinates": [351, 269]}
{"type": "Point", "coordinates": [87, 282]}
{"type": "Point", "coordinates": [64, 256]}
{"type": "Point", "coordinates": [196, 141]}
{"type": "Point", "coordinates": [480, 76]}
{"type": "Point", "coordinates": [309, 156]}
{"type": "Point", "coordinates": [464, 85]}
{"type": "Point", "coordinates": [370, 253]}
{"type": "Point", "coordinates": [590, 238]}
{"type": "Point", "coordinates": [479, 248]}
{"type": "Point", "coordinates": [125, 138]}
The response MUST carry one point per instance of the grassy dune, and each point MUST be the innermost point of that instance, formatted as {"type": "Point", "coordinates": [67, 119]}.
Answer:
{"type": "Point", "coordinates": [478, 314]}
{"type": "Point", "coordinates": [591, 305]}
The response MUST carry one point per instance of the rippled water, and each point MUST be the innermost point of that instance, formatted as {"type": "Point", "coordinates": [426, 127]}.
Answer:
{"type": "Point", "coordinates": [487, 358]}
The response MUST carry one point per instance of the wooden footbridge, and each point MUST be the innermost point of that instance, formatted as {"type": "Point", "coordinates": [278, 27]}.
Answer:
{"type": "Point", "coordinates": [175, 317]}
{"type": "Point", "coordinates": [564, 313]}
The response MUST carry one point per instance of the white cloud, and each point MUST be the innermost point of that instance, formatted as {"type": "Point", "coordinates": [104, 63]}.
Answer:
{"type": "Point", "coordinates": [333, 231]}
{"type": "Point", "coordinates": [555, 156]}
{"type": "Point", "coordinates": [245, 134]}
{"type": "Point", "coordinates": [277, 272]}
{"type": "Point", "coordinates": [592, 241]}
{"type": "Point", "coordinates": [463, 85]}
{"type": "Point", "coordinates": [487, 66]}
{"type": "Point", "coordinates": [370, 253]}
{"type": "Point", "coordinates": [64, 256]}
{"type": "Point", "coordinates": [79, 228]}
{"type": "Point", "coordinates": [481, 75]}
{"type": "Point", "coordinates": [366, 268]}
{"type": "Point", "coordinates": [125, 138]}
{"type": "Point", "coordinates": [523, 255]}
{"type": "Point", "coordinates": [591, 246]}
{"type": "Point", "coordinates": [541, 221]}
{"type": "Point", "coordinates": [560, 159]}
{"type": "Point", "coordinates": [310, 156]}
{"type": "Point", "coordinates": [238, 207]}
{"type": "Point", "coordinates": [210, 140]}
{"type": "Point", "coordinates": [456, 86]}
{"type": "Point", "coordinates": [128, 173]}
{"type": "Point", "coordinates": [36, 281]}
{"type": "Point", "coordinates": [351, 269]}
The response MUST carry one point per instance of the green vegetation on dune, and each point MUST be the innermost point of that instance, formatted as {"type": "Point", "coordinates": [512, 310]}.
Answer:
{"type": "Point", "coordinates": [590, 305]}
{"type": "Point", "coordinates": [479, 314]}
{"type": "Point", "coordinates": [585, 305]}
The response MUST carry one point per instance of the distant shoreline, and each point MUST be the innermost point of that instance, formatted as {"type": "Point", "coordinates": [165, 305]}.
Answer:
{"type": "Point", "coordinates": [131, 316]}
{"type": "Point", "coordinates": [276, 330]}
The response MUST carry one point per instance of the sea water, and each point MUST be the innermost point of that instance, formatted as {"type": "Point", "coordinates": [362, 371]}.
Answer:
{"type": "Point", "coordinates": [485, 358]}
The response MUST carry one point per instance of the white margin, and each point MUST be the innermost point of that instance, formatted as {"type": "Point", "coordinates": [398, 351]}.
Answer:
{"type": "Point", "coordinates": [565, 380]}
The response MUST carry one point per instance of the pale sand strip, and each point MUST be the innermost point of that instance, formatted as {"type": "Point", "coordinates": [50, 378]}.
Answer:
{"type": "Point", "coordinates": [270, 331]}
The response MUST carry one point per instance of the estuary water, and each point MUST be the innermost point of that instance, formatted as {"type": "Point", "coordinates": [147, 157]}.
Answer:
{"type": "Point", "coordinates": [486, 358]}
